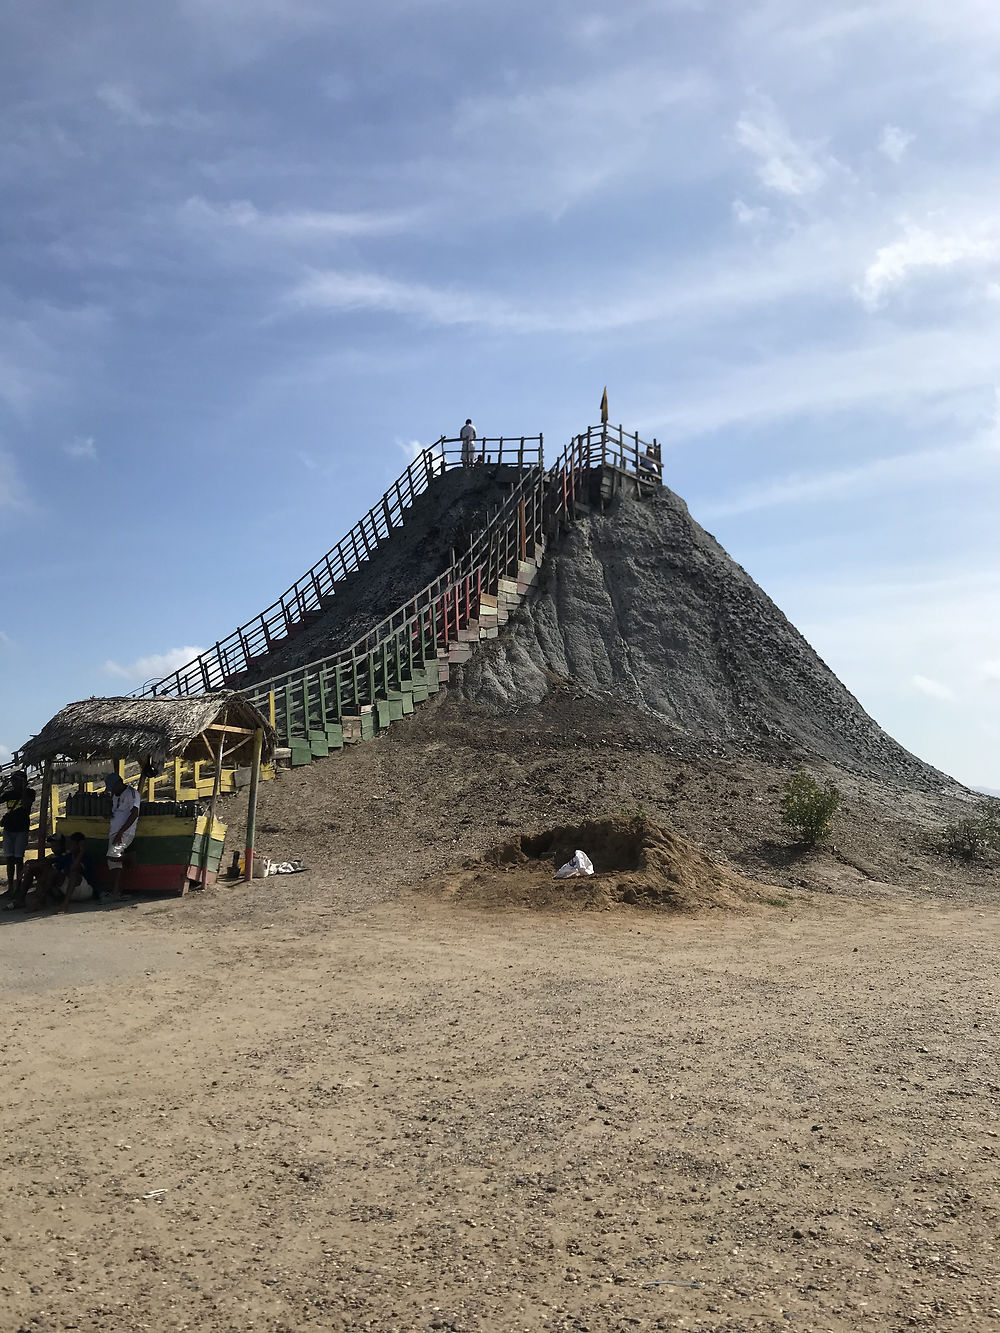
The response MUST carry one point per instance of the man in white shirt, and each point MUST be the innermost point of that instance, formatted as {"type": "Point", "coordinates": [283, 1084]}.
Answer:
{"type": "Point", "coordinates": [468, 437]}
{"type": "Point", "coordinates": [122, 831]}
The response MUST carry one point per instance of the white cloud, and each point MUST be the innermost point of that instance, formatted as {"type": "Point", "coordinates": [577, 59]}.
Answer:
{"type": "Point", "coordinates": [342, 291]}
{"type": "Point", "coordinates": [894, 142]}
{"type": "Point", "coordinates": [82, 447]}
{"type": "Point", "coordinates": [411, 449]}
{"type": "Point", "coordinates": [5, 640]}
{"type": "Point", "coordinates": [784, 165]}
{"type": "Point", "coordinates": [125, 106]}
{"type": "Point", "coordinates": [6, 754]}
{"type": "Point", "coordinates": [921, 249]}
{"type": "Point", "coordinates": [152, 667]}
{"type": "Point", "coordinates": [990, 670]}
{"type": "Point", "coordinates": [296, 226]}
{"type": "Point", "coordinates": [748, 216]}
{"type": "Point", "coordinates": [933, 689]}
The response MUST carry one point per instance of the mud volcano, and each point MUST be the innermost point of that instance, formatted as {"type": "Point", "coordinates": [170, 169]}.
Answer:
{"type": "Point", "coordinates": [639, 605]}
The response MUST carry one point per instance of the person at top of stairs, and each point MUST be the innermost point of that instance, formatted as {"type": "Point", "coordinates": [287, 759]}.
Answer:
{"type": "Point", "coordinates": [468, 437]}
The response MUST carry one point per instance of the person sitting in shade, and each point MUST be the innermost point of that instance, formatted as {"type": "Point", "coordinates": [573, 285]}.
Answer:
{"type": "Point", "coordinates": [75, 882]}
{"type": "Point", "coordinates": [122, 830]}
{"type": "Point", "coordinates": [38, 875]}
{"type": "Point", "coordinates": [468, 437]}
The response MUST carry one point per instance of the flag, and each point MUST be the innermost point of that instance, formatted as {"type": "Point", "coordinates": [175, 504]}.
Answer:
{"type": "Point", "coordinates": [604, 405]}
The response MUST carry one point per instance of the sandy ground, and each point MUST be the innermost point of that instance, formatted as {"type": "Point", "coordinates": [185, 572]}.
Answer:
{"type": "Point", "coordinates": [424, 1117]}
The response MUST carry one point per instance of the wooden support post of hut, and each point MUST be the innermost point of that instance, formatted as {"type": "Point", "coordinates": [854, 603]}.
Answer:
{"type": "Point", "coordinates": [176, 843]}
{"type": "Point", "coordinates": [258, 743]}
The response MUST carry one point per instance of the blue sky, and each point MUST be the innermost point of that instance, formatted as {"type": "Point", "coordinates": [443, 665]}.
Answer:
{"type": "Point", "coordinates": [252, 250]}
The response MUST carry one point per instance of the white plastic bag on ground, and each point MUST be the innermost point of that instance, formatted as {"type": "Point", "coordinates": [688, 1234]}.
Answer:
{"type": "Point", "coordinates": [581, 864]}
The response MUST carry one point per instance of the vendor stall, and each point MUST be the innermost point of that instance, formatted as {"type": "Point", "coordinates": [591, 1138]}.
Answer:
{"type": "Point", "coordinates": [177, 843]}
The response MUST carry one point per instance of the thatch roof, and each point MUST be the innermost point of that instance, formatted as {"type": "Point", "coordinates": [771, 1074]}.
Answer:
{"type": "Point", "coordinates": [160, 728]}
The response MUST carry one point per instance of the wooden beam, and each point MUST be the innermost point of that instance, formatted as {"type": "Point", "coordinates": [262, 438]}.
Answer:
{"type": "Point", "coordinates": [211, 814]}
{"type": "Point", "coordinates": [237, 731]}
{"type": "Point", "coordinates": [258, 742]}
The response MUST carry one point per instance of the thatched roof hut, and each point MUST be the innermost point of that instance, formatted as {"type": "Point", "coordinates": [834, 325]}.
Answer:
{"type": "Point", "coordinates": [154, 729]}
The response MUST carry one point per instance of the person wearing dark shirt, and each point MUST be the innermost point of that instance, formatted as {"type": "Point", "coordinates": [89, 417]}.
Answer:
{"type": "Point", "coordinates": [74, 866]}
{"type": "Point", "coordinates": [16, 799]}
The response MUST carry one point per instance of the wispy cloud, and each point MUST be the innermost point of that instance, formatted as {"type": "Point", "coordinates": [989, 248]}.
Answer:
{"type": "Point", "coordinates": [552, 146]}
{"type": "Point", "coordinates": [784, 164]}
{"type": "Point", "coordinates": [13, 493]}
{"type": "Point", "coordinates": [410, 449]}
{"type": "Point", "coordinates": [153, 666]}
{"type": "Point", "coordinates": [894, 142]}
{"type": "Point", "coordinates": [893, 370]}
{"type": "Point", "coordinates": [920, 248]}
{"type": "Point", "coordinates": [346, 291]}
{"type": "Point", "coordinates": [933, 689]}
{"type": "Point", "coordinates": [963, 461]}
{"type": "Point", "coordinates": [82, 448]}
{"type": "Point", "coordinates": [300, 226]}
{"type": "Point", "coordinates": [748, 215]}
{"type": "Point", "coordinates": [125, 106]}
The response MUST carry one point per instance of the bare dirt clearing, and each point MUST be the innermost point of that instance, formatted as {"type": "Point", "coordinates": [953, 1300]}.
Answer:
{"type": "Point", "coordinates": [428, 1118]}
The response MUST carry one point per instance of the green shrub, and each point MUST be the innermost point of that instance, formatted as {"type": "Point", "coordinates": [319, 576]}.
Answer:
{"type": "Point", "coordinates": [807, 808]}
{"type": "Point", "coordinates": [975, 833]}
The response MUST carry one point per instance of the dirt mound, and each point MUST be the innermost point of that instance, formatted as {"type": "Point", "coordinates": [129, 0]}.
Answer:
{"type": "Point", "coordinates": [636, 862]}
{"type": "Point", "coordinates": [641, 604]}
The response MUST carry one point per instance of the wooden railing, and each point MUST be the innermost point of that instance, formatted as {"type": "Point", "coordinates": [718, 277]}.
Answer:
{"type": "Point", "coordinates": [600, 446]}
{"type": "Point", "coordinates": [342, 684]}
{"type": "Point", "coordinates": [221, 666]}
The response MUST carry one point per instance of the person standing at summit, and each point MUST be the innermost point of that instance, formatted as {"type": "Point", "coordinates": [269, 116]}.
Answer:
{"type": "Point", "coordinates": [468, 437]}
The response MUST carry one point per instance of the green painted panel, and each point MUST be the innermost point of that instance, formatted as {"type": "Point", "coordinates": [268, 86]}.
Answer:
{"type": "Point", "coordinates": [301, 753]}
{"type": "Point", "coordinates": [180, 851]}
{"type": "Point", "coordinates": [335, 736]}
{"type": "Point", "coordinates": [420, 693]}
{"type": "Point", "coordinates": [384, 715]}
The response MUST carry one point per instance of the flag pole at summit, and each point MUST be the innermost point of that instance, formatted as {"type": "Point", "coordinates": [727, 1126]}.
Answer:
{"type": "Point", "coordinates": [604, 406]}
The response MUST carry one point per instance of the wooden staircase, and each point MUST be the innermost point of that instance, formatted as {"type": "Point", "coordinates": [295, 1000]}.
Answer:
{"type": "Point", "coordinates": [353, 695]}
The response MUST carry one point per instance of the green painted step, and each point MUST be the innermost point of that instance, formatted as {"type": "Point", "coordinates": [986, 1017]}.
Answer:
{"type": "Point", "coordinates": [301, 752]}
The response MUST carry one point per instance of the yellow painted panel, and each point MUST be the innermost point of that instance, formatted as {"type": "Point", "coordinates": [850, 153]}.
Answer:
{"type": "Point", "coordinates": [150, 826]}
